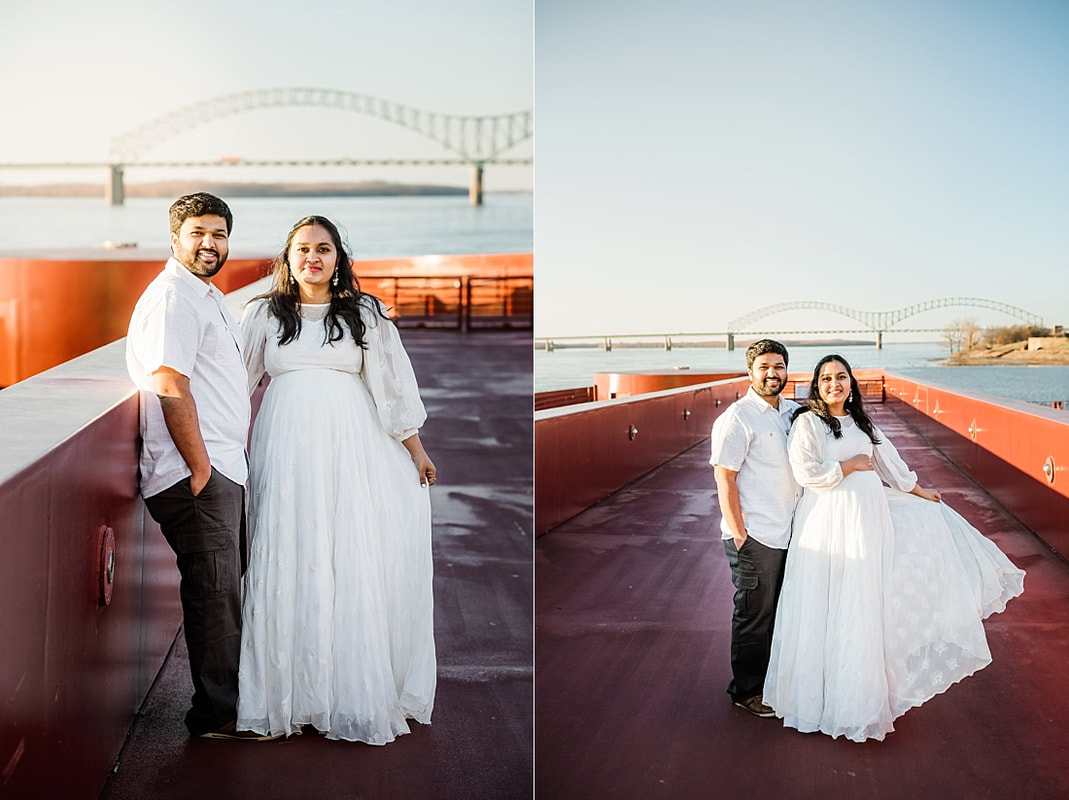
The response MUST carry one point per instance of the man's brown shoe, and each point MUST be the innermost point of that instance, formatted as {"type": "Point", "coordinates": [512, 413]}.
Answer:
{"type": "Point", "coordinates": [229, 731]}
{"type": "Point", "coordinates": [756, 706]}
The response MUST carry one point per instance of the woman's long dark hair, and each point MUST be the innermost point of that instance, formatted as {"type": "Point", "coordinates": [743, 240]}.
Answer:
{"type": "Point", "coordinates": [284, 297]}
{"type": "Point", "coordinates": [854, 407]}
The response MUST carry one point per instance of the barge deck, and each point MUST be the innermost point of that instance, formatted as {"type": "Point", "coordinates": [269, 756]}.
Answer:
{"type": "Point", "coordinates": [632, 632]}
{"type": "Point", "coordinates": [477, 390]}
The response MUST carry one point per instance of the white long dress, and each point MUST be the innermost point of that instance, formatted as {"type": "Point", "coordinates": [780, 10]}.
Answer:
{"type": "Point", "coordinates": [338, 609]}
{"type": "Point", "coordinates": [884, 592]}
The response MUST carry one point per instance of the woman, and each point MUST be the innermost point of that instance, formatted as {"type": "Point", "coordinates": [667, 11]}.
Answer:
{"type": "Point", "coordinates": [884, 588]}
{"type": "Point", "coordinates": [337, 616]}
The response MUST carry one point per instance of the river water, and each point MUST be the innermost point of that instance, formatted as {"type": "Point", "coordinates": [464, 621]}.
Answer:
{"type": "Point", "coordinates": [568, 368]}
{"type": "Point", "coordinates": [377, 227]}
{"type": "Point", "coordinates": [381, 227]}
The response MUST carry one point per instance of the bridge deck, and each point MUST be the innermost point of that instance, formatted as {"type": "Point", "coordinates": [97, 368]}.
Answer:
{"type": "Point", "coordinates": [477, 389]}
{"type": "Point", "coordinates": [633, 607]}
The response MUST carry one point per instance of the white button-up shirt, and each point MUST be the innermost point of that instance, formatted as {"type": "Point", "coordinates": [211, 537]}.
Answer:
{"type": "Point", "coordinates": [750, 438]}
{"type": "Point", "coordinates": [180, 322]}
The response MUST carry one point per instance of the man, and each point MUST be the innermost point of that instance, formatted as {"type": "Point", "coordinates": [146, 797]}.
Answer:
{"type": "Point", "coordinates": [757, 494]}
{"type": "Point", "coordinates": [183, 351]}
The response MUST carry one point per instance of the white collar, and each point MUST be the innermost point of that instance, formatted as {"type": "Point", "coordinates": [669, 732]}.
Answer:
{"type": "Point", "coordinates": [762, 404]}
{"type": "Point", "coordinates": [192, 281]}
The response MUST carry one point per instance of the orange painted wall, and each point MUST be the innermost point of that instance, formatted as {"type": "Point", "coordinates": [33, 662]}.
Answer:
{"type": "Point", "coordinates": [55, 309]}
{"type": "Point", "coordinates": [586, 454]}
{"type": "Point", "coordinates": [629, 384]}
{"type": "Point", "coordinates": [74, 671]}
{"type": "Point", "coordinates": [496, 265]}
{"type": "Point", "coordinates": [1003, 445]}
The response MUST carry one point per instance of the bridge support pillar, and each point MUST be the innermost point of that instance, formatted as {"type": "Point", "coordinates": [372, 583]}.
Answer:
{"type": "Point", "coordinates": [731, 342]}
{"type": "Point", "coordinates": [879, 340]}
{"type": "Point", "coordinates": [607, 347]}
{"type": "Point", "coordinates": [475, 190]}
{"type": "Point", "coordinates": [114, 190]}
{"type": "Point", "coordinates": [667, 342]}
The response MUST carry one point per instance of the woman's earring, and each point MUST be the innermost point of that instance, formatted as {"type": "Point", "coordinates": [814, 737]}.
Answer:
{"type": "Point", "coordinates": [334, 279]}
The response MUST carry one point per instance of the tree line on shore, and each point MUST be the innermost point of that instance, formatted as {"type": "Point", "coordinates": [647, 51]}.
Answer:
{"type": "Point", "coordinates": [965, 335]}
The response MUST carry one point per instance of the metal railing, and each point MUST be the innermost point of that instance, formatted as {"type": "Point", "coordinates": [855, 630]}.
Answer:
{"type": "Point", "coordinates": [500, 303]}
{"type": "Point", "coordinates": [565, 397]}
{"type": "Point", "coordinates": [1059, 405]}
{"type": "Point", "coordinates": [459, 302]}
{"type": "Point", "coordinates": [871, 390]}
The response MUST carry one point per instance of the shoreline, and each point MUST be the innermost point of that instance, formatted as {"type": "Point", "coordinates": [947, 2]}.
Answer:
{"type": "Point", "coordinates": [681, 342]}
{"type": "Point", "coordinates": [175, 188]}
{"type": "Point", "coordinates": [1053, 360]}
{"type": "Point", "coordinates": [1015, 354]}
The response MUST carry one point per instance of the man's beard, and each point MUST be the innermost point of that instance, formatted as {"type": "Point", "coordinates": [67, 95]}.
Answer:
{"type": "Point", "coordinates": [189, 260]}
{"type": "Point", "coordinates": [767, 391]}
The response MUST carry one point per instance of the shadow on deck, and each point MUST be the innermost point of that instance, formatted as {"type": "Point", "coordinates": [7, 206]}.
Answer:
{"type": "Point", "coordinates": [632, 631]}
{"type": "Point", "coordinates": [477, 389]}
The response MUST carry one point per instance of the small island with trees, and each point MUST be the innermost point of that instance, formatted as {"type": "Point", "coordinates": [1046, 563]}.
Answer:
{"type": "Point", "coordinates": [971, 345]}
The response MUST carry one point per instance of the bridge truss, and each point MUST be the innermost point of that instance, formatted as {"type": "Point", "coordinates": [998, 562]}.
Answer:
{"type": "Point", "coordinates": [477, 140]}
{"type": "Point", "coordinates": [883, 321]}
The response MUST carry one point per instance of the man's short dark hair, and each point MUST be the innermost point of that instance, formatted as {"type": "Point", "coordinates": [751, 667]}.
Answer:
{"type": "Point", "coordinates": [199, 205]}
{"type": "Point", "coordinates": [762, 346]}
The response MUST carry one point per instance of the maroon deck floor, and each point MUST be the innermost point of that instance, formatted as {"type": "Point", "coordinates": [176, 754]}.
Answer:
{"type": "Point", "coordinates": [632, 620]}
{"type": "Point", "coordinates": [477, 389]}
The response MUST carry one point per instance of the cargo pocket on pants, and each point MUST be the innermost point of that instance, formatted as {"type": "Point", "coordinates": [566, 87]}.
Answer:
{"type": "Point", "coordinates": [745, 582]}
{"type": "Point", "coordinates": [203, 560]}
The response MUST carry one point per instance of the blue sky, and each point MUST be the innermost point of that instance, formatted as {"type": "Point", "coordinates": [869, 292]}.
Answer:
{"type": "Point", "coordinates": [78, 73]}
{"type": "Point", "coordinates": [698, 160]}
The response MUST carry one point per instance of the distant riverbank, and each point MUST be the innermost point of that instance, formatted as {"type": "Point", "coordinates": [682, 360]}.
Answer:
{"type": "Point", "coordinates": [571, 368]}
{"type": "Point", "coordinates": [1018, 354]}
{"type": "Point", "coordinates": [376, 227]}
{"type": "Point", "coordinates": [679, 342]}
{"type": "Point", "coordinates": [174, 189]}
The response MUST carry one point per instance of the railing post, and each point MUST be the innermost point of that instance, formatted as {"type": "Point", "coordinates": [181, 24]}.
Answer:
{"type": "Point", "coordinates": [466, 295]}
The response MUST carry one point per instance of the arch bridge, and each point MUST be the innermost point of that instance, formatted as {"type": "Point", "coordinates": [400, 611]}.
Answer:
{"type": "Point", "coordinates": [879, 322]}
{"type": "Point", "coordinates": [474, 141]}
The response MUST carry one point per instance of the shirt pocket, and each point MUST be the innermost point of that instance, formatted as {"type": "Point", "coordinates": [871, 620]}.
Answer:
{"type": "Point", "coordinates": [209, 340]}
{"type": "Point", "coordinates": [768, 447]}
{"type": "Point", "coordinates": [218, 343]}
